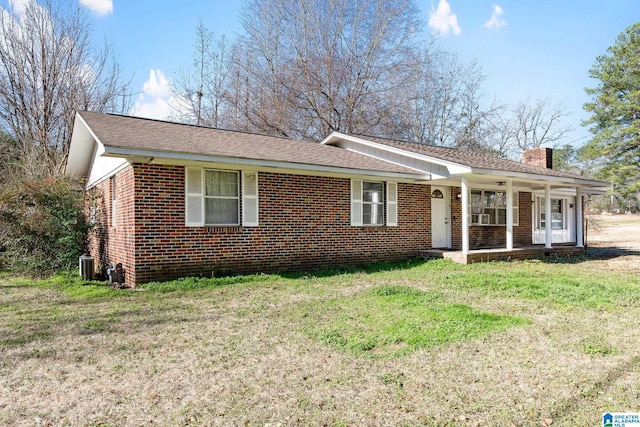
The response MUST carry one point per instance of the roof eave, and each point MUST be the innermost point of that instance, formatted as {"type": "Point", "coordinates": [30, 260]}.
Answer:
{"type": "Point", "coordinates": [171, 156]}
{"type": "Point", "coordinates": [552, 178]}
{"type": "Point", "coordinates": [82, 147]}
{"type": "Point", "coordinates": [454, 167]}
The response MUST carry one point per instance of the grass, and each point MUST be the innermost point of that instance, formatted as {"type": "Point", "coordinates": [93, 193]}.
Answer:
{"type": "Point", "coordinates": [414, 343]}
{"type": "Point", "coordinates": [395, 320]}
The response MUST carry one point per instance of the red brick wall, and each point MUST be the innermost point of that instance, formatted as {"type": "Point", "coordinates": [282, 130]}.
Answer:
{"type": "Point", "coordinates": [304, 224]}
{"type": "Point", "coordinates": [108, 244]}
{"type": "Point", "coordinates": [456, 219]}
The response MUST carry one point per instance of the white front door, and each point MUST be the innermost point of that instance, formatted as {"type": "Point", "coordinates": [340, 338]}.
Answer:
{"type": "Point", "coordinates": [562, 220]}
{"type": "Point", "coordinates": [440, 227]}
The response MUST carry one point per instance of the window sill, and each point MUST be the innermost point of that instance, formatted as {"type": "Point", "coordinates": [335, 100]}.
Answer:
{"type": "Point", "coordinates": [372, 228]}
{"type": "Point", "coordinates": [223, 229]}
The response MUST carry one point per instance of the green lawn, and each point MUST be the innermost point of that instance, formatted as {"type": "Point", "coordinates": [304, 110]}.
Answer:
{"type": "Point", "coordinates": [414, 343]}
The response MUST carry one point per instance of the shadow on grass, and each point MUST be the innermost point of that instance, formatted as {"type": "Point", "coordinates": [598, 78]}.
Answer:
{"type": "Point", "coordinates": [194, 283]}
{"type": "Point", "coordinates": [597, 253]}
{"type": "Point", "coordinates": [610, 252]}
{"type": "Point", "coordinates": [565, 408]}
{"type": "Point", "coordinates": [373, 268]}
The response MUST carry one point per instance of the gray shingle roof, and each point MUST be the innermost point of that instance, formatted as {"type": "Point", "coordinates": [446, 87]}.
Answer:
{"type": "Point", "coordinates": [147, 134]}
{"type": "Point", "coordinates": [470, 158]}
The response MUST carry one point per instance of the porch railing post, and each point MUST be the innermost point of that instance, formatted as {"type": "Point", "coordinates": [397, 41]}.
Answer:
{"type": "Point", "coordinates": [579, 218]}
{"type": "Point", "coordinates": [464, 188]}
{"type": "Point", "coordinates": [547, 215]}
{"type": "Point", "coordinates": [509, 215]}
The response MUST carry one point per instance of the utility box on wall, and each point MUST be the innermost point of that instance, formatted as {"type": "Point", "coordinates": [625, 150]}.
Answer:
{"type": "Point", "coordinates": [115, 273]}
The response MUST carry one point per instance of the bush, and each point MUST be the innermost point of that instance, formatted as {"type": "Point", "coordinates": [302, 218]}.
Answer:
{"type": "Point", "coordinates": [42, 226]}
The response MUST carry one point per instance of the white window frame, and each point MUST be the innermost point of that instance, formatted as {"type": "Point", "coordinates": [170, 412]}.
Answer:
{"type": "Point", "coordinates": [389, 203]}
{"type": "Point", "coordinates": [218, 197]}
{"type": "Point", "coordinates": [195, 197]}
{"type": "Point", "coordinates": [540, 221]}
{"type": "Point", "coordinates": [478, 215]}
{"type": "Point", "coordinates": [375, 205]}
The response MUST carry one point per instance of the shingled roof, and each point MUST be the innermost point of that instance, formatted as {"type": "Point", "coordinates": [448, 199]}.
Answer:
{"type": "Point", "coordinates": [471, 159]}
{"type": "Point", "coordinates": [160, 136]}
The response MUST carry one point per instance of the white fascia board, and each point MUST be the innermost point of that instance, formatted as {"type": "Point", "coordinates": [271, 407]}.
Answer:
{"type": "Point", "coordinates": [82, 148]}
{"type": "Point", "coordinates": [102, 167]}
{"type": "Point", "coordinates": [86, 160]}
{"type": "Point", "coordinates": [454, 168]}
{"type": "Point", "coordinates": [175, 157]}
{"type": "Point", "coordinates": [536, 177]}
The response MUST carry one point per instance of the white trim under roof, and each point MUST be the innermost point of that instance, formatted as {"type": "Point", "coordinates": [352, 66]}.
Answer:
{"type": "Point", "coordinates": [453, 167]}
{"type": "Point", "coordinates": [457, 170]}
{"type": "Point", "coordinates": [188, 157]}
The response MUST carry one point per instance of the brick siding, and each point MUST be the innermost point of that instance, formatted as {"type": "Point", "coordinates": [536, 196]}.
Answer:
{"type": "Point", "coordinates": [304, 225]}
{"type": "Point", "coordinates": [114, 244]}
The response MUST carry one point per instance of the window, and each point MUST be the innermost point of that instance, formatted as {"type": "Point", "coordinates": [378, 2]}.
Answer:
{"type": "Point", "coordinates": [368, 204]}
{"type": "Point", "coordinates": [216, 197]}
{"type": "Point", "coordinates": [557, 215]}
{"type": "Point", "coordinates": [489, 207]}
{"type": "Point", "coordinates": [221, 198]}
{"type": "Point", "coordinates": [372, 203]}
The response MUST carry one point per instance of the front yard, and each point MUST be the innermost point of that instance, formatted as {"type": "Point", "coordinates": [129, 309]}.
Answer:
{"type": "Point", "coordinates": [421, 343]}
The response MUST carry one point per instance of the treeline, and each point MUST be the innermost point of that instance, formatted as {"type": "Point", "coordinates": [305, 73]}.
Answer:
{"type": "Point", "coordinates": [303, 69]}
{"type": "Point", "coordinates": [299, 69]}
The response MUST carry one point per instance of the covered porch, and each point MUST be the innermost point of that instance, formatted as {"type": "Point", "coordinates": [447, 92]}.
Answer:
{"type": "Point", "coordinates": [542, 226]}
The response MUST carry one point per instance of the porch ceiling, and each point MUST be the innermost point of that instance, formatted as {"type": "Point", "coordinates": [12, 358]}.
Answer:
{"type": "Point", "coordinates": [525, 183]}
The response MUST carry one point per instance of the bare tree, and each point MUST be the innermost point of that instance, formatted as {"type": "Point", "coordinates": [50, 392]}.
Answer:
{"type": "Point", "coordinates": [501, 135]}
{"type": "Point", "coordinates": [445, 104]}
{"type": "Point", "coordinates": [538, 124]}
{"type": "Point", "coordinates": [314, 66]}
{"type": "Point", "coordinates": [201, 91]}
{"type": "Point", "coordinates": [48, 70]}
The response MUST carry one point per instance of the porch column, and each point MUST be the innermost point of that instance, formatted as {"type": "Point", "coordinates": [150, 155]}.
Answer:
{"type": "Point", "coordinates": [547, 215]}
{"type": "Point", "coordinates": [579, 219]}
{"type": "Point", "coordinates": [464, 188]}
{"type": "Point", "coordinates": [509, 215]}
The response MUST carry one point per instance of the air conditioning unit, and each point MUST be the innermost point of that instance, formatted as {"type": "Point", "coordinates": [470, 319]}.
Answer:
{"type": "Point", "coordinates": [87, 267]}
{"type": "Point", "coordinates": [484, 219]}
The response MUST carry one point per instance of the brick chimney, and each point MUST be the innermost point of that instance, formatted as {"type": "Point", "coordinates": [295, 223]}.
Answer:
{"type": "Point", "coordinates": [540, 156]}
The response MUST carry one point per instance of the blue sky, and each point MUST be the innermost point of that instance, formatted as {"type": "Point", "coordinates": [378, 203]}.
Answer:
{"type": "Point", "coordinates": [527, 49]}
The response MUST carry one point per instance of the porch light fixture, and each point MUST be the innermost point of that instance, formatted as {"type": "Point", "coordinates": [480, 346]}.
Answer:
{"type": "Point", "coordinates": [500, 183]}
{"type": "Point", "coordinates": [458, 195]}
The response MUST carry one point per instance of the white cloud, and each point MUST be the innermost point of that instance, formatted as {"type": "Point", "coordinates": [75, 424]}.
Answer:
{"type": "Point", "coordinates": [496, 21]}
{"type": "Point", "coordinates": [101, 7]}
{"type": "Point", "coordinates": [19, 6]}
{"type": "Point", "coordinates": [442, 20]}
{"type": "Point", "coordinates": [155, 100]}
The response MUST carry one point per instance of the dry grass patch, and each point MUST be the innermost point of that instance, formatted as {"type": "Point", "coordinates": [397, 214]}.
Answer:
{"type": "Point", "coordinates": [552, 342]}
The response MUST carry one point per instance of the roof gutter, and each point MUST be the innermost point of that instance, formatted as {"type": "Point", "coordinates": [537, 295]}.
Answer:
{"type": "Point", "coordinates": [551, 178]}
{"type": "Point", "coordinates": [255, 163]}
